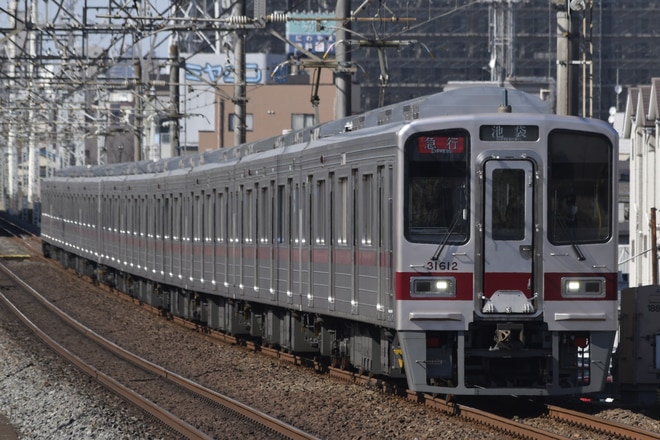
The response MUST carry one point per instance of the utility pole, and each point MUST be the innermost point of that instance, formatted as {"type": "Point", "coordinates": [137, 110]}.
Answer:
{"type": "Point", "coordinates": [567, 54]}
{"type": "Point", "coordinates": [32, 189]}
{"type": "Point", "coordinates": [12, 138]}
{"type": "Point", "coordinates": [342, 72]}
{"type": "Point", "coordinates": [139, 110]}
{"type": "Point", "coordinates": [174, 100]}
{"type": "Point", "coordinates": [240, 89]}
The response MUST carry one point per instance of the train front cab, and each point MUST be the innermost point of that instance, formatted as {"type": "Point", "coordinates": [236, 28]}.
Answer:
{"type": "Point", "coordinates": [506, 277]}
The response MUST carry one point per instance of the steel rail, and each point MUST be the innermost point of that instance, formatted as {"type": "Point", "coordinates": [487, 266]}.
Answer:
{"type": "Point", "coordinates": [610, 427]}
{"type": "Point", "coordinates": [500, 423]}
{"type": "Point", "coordinates": [231, 405]}
{"type": "Point", "coordinates": [160, 414]}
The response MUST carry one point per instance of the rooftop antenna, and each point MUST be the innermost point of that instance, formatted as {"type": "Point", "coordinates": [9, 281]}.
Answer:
{"type": "Point", "coordinates": [505, 107]}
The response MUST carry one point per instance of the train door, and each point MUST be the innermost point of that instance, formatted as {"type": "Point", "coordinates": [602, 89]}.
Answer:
{"type": "Point", "coordinates": [197, 244]}
{"type": "Point", "coordinates": [158, 258]}
{"type": "Point", "coordinates": [320, 251]}
{"type": "Point", "coordinates": [168, 228]}
{"type": "Point", "coordinates": [384, 235]}
{"type": "Point", "coordinates": [508, 236]}
{"type": "Point", "coordinates": [266, 276]}
{"type": "Point", "coordinates": [300, 270]}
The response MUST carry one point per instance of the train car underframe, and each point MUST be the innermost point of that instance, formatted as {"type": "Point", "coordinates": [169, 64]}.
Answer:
{"type": "Point", "coordinates": [340, 343]}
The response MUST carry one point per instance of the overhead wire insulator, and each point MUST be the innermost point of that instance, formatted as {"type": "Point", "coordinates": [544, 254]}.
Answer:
{"type": "Point", "coordinates": [239, 20]}
{"type": "Point", "coordinates": [278, 17]}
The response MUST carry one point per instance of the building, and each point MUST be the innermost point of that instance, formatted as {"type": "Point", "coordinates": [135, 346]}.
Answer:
{"type": "Point", "coordinates": [641, 127]}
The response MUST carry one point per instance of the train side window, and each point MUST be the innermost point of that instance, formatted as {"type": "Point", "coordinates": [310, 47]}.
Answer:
{"type": "Point", "coordinates": [321, 213]}
{"type": "Point", "coordinates": [176, 219]}
{"type": "Point", "coordinates": [159, 216]}
{"type": "Point", "coordinates": [209, 221]}
{"type": "Point", "coordinates": [249, 218]}
{"type": "Point", "coordinates": [342, 211]}
{"type": "Point", "coordinates": [117, 217]}
{"type": "Point", "coordinates": [221, 217]}
{"type": "Point", "coordinates": [265, 216]}
{"type": "Point", "coordinates": [151, 217]}
{"type": "Point", "coordinates": [580, 173]}
{"type": "Point", "coordinates": [367, 207]}
{"type": "Point", "coordinates": [167, 218]}
{"type": "Point", "coordinates": [280, 211]}
{"type": "Point", "coordinates": [199, 218]}
{"type": "Point", "coordinates": [295, 218]}
{"type": "Point", "coordinates": [437, 177]}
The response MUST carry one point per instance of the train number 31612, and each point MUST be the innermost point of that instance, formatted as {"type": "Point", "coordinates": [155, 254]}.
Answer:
{"type": "Point", "coordinates": [442, 265]}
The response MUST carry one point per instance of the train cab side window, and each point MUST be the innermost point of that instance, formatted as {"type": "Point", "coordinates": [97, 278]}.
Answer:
{"type": "Point", "coordinates": [437, 177]}
{"type": "Point", "coordinates": [580, 167]}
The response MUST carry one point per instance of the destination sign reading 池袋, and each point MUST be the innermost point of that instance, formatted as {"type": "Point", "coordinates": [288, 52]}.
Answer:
{"type": "Point", "coordinates": [509, 133]}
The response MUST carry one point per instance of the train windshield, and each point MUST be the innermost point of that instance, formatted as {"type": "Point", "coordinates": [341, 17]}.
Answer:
{"type": "Point", "coordinates": [579, 188]}
{"type": "Point", "coordinates": [436, 189]}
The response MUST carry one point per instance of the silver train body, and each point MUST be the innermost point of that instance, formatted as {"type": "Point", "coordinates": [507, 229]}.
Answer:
{"type": "Point", "coordinates": [468, 250]}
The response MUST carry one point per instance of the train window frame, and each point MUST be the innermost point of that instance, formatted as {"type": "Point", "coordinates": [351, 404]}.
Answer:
{"type": "Point", "coordinates": [167, 217]}
{"type": "Point", "coordinates": [265, 215]}
{"type": "Point", "coordinates": [282, 214]}
{"type": "Point", "coordinates": [367, 208]}
{"type": "Point", "coordinates": [176, 218]}
{"type": "Point", "coordinates": [343, 211]}
{"type": "Point", "coordinates": [439, 159]}
{"type": "Point", "coordinates": [249, 217]}
{"type": "Point", "coordinates": [320, 212]}
{"type": "Point", "coordinates": [580, 181]}
{"type": "Point", "coordinates": [295, 218]}
{"type": "Point", "coordinates": [220, 217]}
{"type": "Point", "coordinates": [209, 222]}
{"type": "Point", "coordinates": [508, 192]}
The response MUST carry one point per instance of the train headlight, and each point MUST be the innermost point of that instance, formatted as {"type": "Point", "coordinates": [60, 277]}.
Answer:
{"type": "Point", "coordinates": [433, 286]}
{"type": "Point", "coordinates": [583, 287]}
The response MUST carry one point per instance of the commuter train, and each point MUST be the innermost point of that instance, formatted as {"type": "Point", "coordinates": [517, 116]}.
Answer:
{"type": "Point", "coordinates": [466, 241]}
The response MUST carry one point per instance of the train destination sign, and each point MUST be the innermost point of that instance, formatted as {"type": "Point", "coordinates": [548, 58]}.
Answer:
{"type": "Point", "coordinates": [509, 133]}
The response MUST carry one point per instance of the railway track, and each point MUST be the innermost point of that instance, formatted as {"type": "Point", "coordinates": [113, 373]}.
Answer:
{"type": "Point", "coordinates": [580, 425]}
{"type": "Point", "coordinates": [187, 408]}
{"type": "Point", "coordinates": [584, 425]}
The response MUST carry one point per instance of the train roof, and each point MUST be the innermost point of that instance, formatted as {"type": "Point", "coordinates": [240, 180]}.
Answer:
{"type": "Point", "coordinates": [471, 100]}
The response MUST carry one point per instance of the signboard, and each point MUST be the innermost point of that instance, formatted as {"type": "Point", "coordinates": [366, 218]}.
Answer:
{"type": "Point", "coordinates": [214, 69]}
{"type": "Point", "coordinates": [314, 36]}
{"type": "Point", "coordinates": [509, 133]}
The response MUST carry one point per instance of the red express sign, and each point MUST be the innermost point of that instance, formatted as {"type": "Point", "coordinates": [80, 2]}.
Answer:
{"type": "Point", "coordinates": [441, 145]}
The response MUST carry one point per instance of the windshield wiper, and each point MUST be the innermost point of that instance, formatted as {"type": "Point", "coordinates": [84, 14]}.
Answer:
{"type": "Point", "coordinates": [570, 234]}
{"type": "Point", "coordinates": [450, 231]}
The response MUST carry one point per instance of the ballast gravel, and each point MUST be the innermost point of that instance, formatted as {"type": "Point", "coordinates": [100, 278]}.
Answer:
{"type": "Point", "coordinates": [43, 397]}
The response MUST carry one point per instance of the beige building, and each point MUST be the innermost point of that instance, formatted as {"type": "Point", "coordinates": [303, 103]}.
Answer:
{"type": "Point", "coordinates": [270, 110]}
